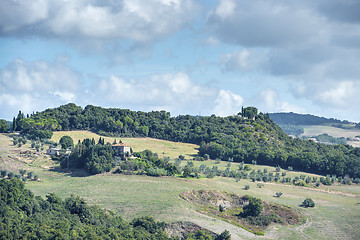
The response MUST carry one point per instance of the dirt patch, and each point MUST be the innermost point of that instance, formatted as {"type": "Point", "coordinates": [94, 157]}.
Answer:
{"type": "Point", "coordinates": [182, 229]}
{"type": "Point", "coordinates": [208, 202]}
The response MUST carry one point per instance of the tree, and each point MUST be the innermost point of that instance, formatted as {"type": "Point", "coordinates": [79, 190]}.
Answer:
{"type": "Point", "coordinates": [4, 127]}
{"type": "Point", "coordinates": [187, 171]}
{"type": "Point", "coordinates": [278, 194]}
{"type": "Point", "coordinates": [308, 202]}
{"type": "Point", "coordinates": [66, 142]}
{"type": "Point", "coordinates": [225, 235]}
{"type": "Point", "coordinates": [254, 208]}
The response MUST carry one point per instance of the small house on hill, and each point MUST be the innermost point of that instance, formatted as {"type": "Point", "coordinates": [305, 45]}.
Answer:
{"type": "Point", "coordinates": [121, 149]}
{"type": "Point", "coordinates": [53, 151]}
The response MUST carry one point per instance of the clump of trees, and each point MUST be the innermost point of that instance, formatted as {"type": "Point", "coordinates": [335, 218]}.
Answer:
{"type": "Point", "coordinates": [93, 157]}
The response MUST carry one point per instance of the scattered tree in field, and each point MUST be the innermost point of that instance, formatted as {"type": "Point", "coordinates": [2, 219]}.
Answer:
{"type": "Point", "coordinates": [221, 208]}
{"type": "Point", "coordinates": [308, 202]}
{"type": "Point", "coordinates": [278, 194]}
{"type": "Point", "coordinates": [247, 187]}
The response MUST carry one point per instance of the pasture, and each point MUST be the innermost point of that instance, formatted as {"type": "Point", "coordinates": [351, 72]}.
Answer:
{"type": "Point", "coordinates": [314, 130]}
{"type": "Point", "coordinates": [335, 216]}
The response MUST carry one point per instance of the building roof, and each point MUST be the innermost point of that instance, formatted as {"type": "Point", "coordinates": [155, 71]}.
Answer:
{"type": "Point", "coordinates": [120, 145]}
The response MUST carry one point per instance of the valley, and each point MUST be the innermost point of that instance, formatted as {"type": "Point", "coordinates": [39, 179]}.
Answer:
{"type": "Point", "coordinates": [336, 214]}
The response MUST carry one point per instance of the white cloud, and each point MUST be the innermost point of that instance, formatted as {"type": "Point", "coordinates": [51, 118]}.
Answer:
{"type": "Point", "coordinates": [29, 86]}
{"type": "Point", "coordinates": [135, 20]}
{"type": "Point", "coordinates": [227, 103]}
{"type": "Point", "coordinates": [225, 9]}
{"type": "Point", "coordinates": [268, 100]}
{"type": "Point", "coordinates": [243, 60]}
{"type": "Point", "coordinates": [174, 92]}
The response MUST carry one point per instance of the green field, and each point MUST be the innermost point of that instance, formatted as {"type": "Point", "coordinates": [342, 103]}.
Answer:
{"type": "Point", "coordinates": [162, 147]}
{"type": "Point", "coordinates": [335, 216]}
{"type": "Point", "coordinates": [314, 130]}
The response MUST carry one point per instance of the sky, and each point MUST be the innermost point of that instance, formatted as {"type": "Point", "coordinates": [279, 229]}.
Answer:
{"type": "Point", "coordinates": [183, 56]}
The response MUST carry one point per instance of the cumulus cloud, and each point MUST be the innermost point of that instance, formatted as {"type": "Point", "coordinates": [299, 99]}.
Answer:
{"type": "Point", "coordinates": [28, 86]}
{"type": "Point", "coordinates": [243, 60]}
{"type": "Point", "coordinates": [268, 100]}
{"type": "Point", "coordinates": [313, 45]}
{"type": "Point", "coordinates": [262, 23]}
{"type": "Point", "coordinates": [174, 92]}
{"type": "Point", "coordinates": [134, 20]}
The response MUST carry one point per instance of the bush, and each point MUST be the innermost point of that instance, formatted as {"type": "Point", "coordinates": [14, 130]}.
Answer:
{"type": "Point", "coordinates": [308, 202]}
{"type": "Point", "coordinates": [278, 194]}
{"type": "Point", "coordinates": [247, 187]}
{"type": "Point", "coordinates": [221, 208]}
{"type": "Point", "coordinates": [260, 185]}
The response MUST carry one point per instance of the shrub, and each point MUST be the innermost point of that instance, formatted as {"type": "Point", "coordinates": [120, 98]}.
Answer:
{"type": "Point", "coordinates": [247, 168]}
{"type": "Point", "coordinates": [4, 173]}
{"type": "Point", "coordinates": [247, 187]}
{"type": "Point", "coordinates": [11, 175]}
{"type": "Point", "coordinates": [278, 194]}
{"type": "Point", "coordinates": [260, 185]}
{"type": "Point", "coordinates": [308, 202]}
{"type": "Point", "coordinates": [221, 208]}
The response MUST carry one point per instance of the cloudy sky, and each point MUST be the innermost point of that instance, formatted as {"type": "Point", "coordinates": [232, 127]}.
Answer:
{"type": "Point", "coordinates": [184, 56]}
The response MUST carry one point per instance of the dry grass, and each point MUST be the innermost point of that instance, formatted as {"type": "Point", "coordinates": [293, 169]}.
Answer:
{"type": "Point", "coordinates": [162, 147]}
{"type": "Point", "coordinates": [315, 130]}
{"type": "Point", "coordinates": [335, 216]}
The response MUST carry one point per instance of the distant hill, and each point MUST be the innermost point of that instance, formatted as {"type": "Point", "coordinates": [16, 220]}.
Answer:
{"type": "Point", "coordinates": [303, 119]}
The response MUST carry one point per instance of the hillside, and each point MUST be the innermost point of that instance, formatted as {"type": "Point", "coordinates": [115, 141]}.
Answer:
{"type": "Point", "coordinates": [248, 136]}
{"type": "Point", "coordinates": [302, 119]}
{"type": "Point", "coordinates": [335, 215]}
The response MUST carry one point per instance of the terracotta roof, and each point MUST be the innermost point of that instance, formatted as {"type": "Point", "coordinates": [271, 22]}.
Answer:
{"type": "Point", "coordinates": [120, 144]}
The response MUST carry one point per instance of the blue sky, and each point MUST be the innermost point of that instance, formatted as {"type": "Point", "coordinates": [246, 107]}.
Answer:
{"type": "Point", "coordinates": [184, 56]}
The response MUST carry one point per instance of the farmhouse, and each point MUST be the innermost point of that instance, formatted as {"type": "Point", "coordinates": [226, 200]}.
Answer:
{"type": "Point", "coordinates": [121, 149]}
{"type": "Point", "coordinates": [53, 151]}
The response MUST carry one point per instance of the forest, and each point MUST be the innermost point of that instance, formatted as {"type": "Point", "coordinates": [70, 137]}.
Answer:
{"type": "Point", "coordinates": [245, 137]}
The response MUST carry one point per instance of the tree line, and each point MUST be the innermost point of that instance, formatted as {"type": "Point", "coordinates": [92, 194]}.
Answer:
{"type": "Point", "coordinates": [246, 136]}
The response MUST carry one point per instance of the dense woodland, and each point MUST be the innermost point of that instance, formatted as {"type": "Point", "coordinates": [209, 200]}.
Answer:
{"type": "Point", "coordinates": [25, 216]}
{"type": "Point", "coordinates": [246, 137]}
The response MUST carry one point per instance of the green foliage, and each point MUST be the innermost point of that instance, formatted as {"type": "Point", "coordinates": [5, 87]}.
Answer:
{"type": "Point", "coordinates": [4, 126]}
{"type": "Point", "coordinates": [254, 208]}
{"type": "Point", "coordinates": [24, 216]}
{"type": "Point", "coordinates": [66, 142]}
{"type": "Point", "coordinates": [247, 187]}
{"type": "Point", "coordinates": [292, 129]}
{"type": "Point", "coordinates": [94, 158]}
{"type": "Point", "coordinates": [308, 202]}
{"type": "Point", "coordinates": [221, 208]}
{"type": "Point", "coordinates": [253, 137]}
{"type": "Point", "coordinates": [330, 139]}
{"type": "Point", "coordinates": [225, 235]}
{"type": "Point", "coordinates": [278, 194]}
{"type": "Point", "coordinates": [301, 119]}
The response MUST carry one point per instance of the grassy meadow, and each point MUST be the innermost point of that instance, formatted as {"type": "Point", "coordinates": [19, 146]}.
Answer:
{"type": "Point", "coordinates": [314, 130]}
{"type": "Point", "coordinates": [162, 147]}
{"type": "Point", "coordinates": [335, 216]}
